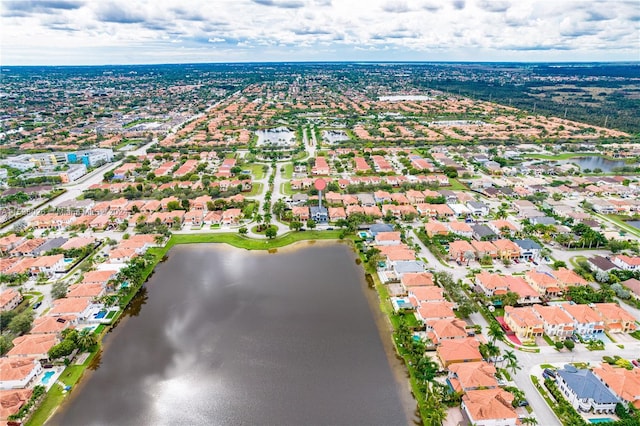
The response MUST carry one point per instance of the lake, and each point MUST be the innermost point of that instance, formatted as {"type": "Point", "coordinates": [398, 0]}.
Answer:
{"type": "Point", "coordinates": [593, 162]}
{"type": "Point", "coordinates": [223, 336]}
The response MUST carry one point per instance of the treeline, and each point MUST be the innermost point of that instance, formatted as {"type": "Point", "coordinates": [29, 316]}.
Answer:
{"type": "Point", "coordinates": [621, 110]}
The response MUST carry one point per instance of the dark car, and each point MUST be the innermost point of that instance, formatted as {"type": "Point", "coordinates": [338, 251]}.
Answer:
{"type": "Point", "coordinates": [549, 372]}
{"type": "Point", "coordinates": [36, 305]}
{"type": "Point", "coordinates": [635, 363]}
{"type": "Point", "coordinates": [523, 403]}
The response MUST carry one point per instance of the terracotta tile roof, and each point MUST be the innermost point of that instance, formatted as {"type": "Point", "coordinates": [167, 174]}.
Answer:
{"type": "Point", "coordinates": [473, 375]}
{"type": "Point", "coordinates": [32, 345]}
{"type": "Point", "coordinates": [624, 383]}
{"type": "Point", "coordinates": [489, 404]}
{"type": "Point", "coordinates": [16, 368]}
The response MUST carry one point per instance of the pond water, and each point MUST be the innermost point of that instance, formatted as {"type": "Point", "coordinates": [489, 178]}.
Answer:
{"type": "Point", "coordinates": [223, 336]}
{"type": "Point", "coordinates": [593, 162]}
{"type": "Point", "coordinates": [279, 136]}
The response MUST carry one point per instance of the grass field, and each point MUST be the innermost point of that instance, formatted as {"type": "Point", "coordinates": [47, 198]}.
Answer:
{"type": "Point", "coordinates": [288, 171]}
{"type": "Point", "coordinates": [256, 189]}
{"type": "Point", "coordinates": [54, 398]}
{"type": "Point", "coordinates": [256, 171]}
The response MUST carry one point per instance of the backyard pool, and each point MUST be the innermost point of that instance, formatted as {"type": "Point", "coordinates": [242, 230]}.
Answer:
{"type": "Point", "coordinates": [47, 376]}
{"type": "Point", "coordinates": [100, 315]}
{"type": "Point", "coordinates": [601, 420]}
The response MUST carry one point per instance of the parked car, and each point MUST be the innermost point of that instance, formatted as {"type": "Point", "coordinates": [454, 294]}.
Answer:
{"type": "Point", "coordinates": [36, 305]}
{"type": "Point", "coordinates": [549, 372]}
{"type": "Point", "coordinates": [635, 363]}
{"type": "Point", "coordinates": [523, 403]}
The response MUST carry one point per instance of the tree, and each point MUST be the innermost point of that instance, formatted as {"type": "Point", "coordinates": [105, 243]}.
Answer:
{"type": "Point", "coordinates": [86, 339]}
{"type": "Point", "coordinates": [512, 361]}
{"type": "Point", "coordinates": [59, 290]}
{"type": "Point", "coordinates": [469, 256]}
{"type": "Point", "coordinates": [243, 230]}
{"type": "Point", "coordinates": [311, 224]}
{"type": "Point", "coordinates": [495, 331]}
{"type": "Point", "coordinates": [271, 232]}
{"type": "Point", "coordinates": [489, 350]}
{"type": "Point", "coordinates": [22, 323]}
{"type": "Point", "coordinates": [295, 225]}
{"type": "Point", "coordinates": [569, 344]}
{"type": "Point", "coordinates": [602, 276]}
{"type": "Point", "coordinates": [529, 421]}
{"type": "Point", "coordinates": [62, 349]}
{"type": "Point", "coordinates": [510, 298]}
{"type": "Point", "coordinates": [173, 205]}
{"type": "Point", "coordinates": [185, 204]}
{"type": "Point", "coordinates": [5, 344]}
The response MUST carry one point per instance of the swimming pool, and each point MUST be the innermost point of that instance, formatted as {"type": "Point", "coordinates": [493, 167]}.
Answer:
{"type": "Point", "coordinates": [100, 315]}
{"type": "Point", "coordinates": [47, 376]}
{"type": "Point", "coordinates": [601, 420]}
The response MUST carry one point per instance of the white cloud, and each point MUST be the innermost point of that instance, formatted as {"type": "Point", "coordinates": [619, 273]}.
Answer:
{"type": "Point", "coordinates": [58, 31]}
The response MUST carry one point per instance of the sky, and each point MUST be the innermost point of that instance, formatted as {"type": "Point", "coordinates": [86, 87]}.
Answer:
{"type": "Point", "coordinates": [102, 32]}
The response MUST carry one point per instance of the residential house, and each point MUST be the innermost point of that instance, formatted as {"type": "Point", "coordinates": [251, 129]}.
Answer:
{"type": "Point", "coordinates": [469, 376]}
{"type": "Point", "coordinates": [507, 249]}
{"type": "Point", "coordinates": [231, 216]}
{"type": "Point", "coordinates": [9, 242]}
{"type": "Point", "coordinates": [483, 233]}
{"type": "Point", "coordinates": [457, 249]}
{"type": "Point", "coordinates": [459, 209]}
{"type": "Point", "coordinates": [98, 277]}
{"type": "Point", "coordinates": [544, 283]}
{"type": "Point", "coordinates": [529, 249]}
{"type": "Point", "coordinates": [490, 407]}
{"type": "Point", "coordinates": [626, 263]}
{"type": "Point", "coordinates": [49, 324]}
{"type": "Point", "coordinates": [85, 290]}
{"type": "Point", "coordinates": [616, 319]}
{"type": "Point", "coordinates": [502, 227]}
{"type": "Point", "coordinates": [568, 278]}
{"type": "Point", "coordinates": [491, 284]}
{"type": "Point", "coordinates": [634, 286]}
{"type": "Point", "coordinates": [458, 350]}
{"type": "Point", "coordinates": [388, 238]}
{"type": "Point", "coordinates": [425, 294]}
{"type": "Point", "coordinates": [623, 383]}
{"type": "Point", "coordinates": [585, 391]}
{"type": "Point", "coordinates": [416, 279]}
{"type": "Point", "coordinates": [484, 248]}
{"type": "Point", "coordinates": [586, 321]}
{"type": "Point", "coordinates": [9, 299]}
{"type": "Point", "coordinates": [524, 322]}
{"type": "Point", "coordinates": [435, 311]}
{"type": "Point", "coordinates": [441, 330]}
{"type": "Point", "coordinates": [18, 373]}
{"type": "Point", "coordinates": [526, 293]}
{"type": "Point", "coordinates": [32, 346]}
{"type": "Point", "coordinates": [601, 264]}
{"type": "Point", "coordinates": [462, 229]}
{"type": "Point", "coordinates": [557, 323]}
{"type": "Point", "coordinates": [478, 208]}
{"type": "Point", "coordinates": [433, 228]}
{"type": "Point", "coordinates": [11, 401]}
{"type": "Point", "coordinates": [337, 213]}
{"type": "Point", "coordinates": [80, 307]}
{"type": "Point", "coordinates": [48, 265]}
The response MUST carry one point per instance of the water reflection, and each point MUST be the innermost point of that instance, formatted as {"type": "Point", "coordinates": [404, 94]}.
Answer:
{"type": "Point", "coordinates": [234, 339]}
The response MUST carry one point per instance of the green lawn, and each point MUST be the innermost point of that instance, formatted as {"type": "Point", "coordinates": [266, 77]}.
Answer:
{"type": "Point", "coordinates": [288, 171]}
{"type": "Point", "coordinates": [620, 224]}
{"type": "Point", "coordinates": [456, 185]}
{"type": "Point", "coordinates": [54, 398]}
{"type": "Point", "coordinates": [565, 156]}
{"type": "Point", "coordinates": [256, 189]}
{"type": "Point", "coordinates": [286, 189]}
{"type": "Point", "coordinates": [256, 170]}
{"type": "Point", "coordinates": [240, 241]}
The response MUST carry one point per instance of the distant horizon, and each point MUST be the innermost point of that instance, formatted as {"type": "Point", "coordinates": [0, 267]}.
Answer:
{"type": "Point", "coordinates": [146, 32]}
{"type": "Point", "coordinates": [613, 62]}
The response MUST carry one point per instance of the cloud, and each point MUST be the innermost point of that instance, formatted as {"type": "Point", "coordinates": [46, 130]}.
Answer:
{"type": "Point", "coordinates": [112, 12]}
{"type": "Point", "coordinates": [495, 6]}
{"type": "Point", "coordinates": [284, 4]}
{"type": "Point", "coordinates": [396, 7]}
{"type": "Point", "coordinates": [323, 29]}
{"type": "Point", "coordinates": [458, 4]}
{"type": "Point", "coordinates": [22, 8]}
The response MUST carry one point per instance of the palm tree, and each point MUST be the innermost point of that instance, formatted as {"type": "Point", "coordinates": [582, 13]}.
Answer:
{"type": "Point", "coordinates": [495, 332]}
{"type": "Point", "coordinates": [489, 350]}
{"type": "Point", "coordinates": [512, 361]}
{"type": "Point", "coordinates": [86, 339]}
{"type": "Point", "coordinates": [529, 421]}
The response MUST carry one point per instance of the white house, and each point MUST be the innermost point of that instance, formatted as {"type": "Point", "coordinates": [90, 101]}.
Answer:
{"type": "Point", "coordinates": [584, 391]}
{"type": "Point", "coordinates": [477, 208]}
{"type": "Point", "coordinates": [18, 373]}
{"type": "Point", "coordinates": [626, 263]}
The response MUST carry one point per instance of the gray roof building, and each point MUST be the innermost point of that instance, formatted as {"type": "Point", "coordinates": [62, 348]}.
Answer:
{"type": "Point", "coordinates": [50, 245]}
{"type": "Point", "coordinates": [586, 385]}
